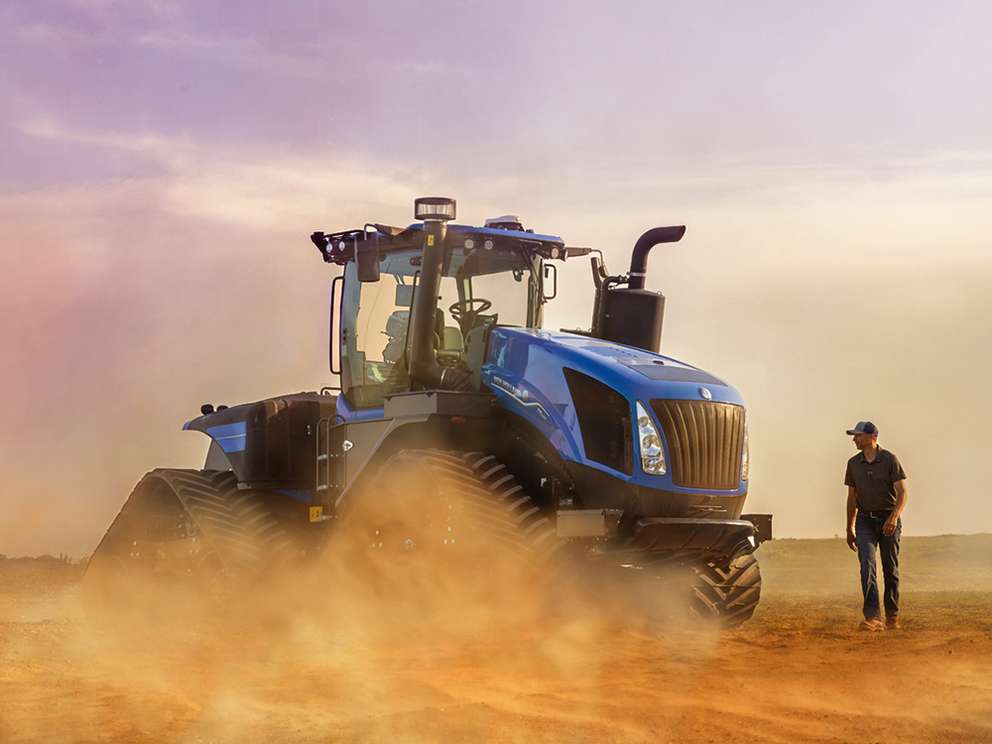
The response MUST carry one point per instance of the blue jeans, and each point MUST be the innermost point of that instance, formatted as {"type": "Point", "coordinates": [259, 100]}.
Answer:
{"type": "Point", "coordinates": [868, 531]}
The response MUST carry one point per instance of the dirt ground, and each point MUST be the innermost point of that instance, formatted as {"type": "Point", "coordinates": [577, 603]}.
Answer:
{"type": "Point", "coordinates": [310, 669]}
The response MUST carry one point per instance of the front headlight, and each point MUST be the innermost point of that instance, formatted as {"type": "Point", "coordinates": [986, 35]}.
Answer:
{"type": "Point", "coordinates": [652, 454]}
{"type": "Point", "coordinates": [744, 458]}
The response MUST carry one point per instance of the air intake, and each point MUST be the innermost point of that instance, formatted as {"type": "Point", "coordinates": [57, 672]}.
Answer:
{"type": "Point", "coordinates": [705, 441]}
{"type": "Point", "coordinates": [604, 420]}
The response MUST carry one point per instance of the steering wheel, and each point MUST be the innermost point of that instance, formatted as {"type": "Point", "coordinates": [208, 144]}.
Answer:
{"type": "Point", "coordinates": [464, 309]}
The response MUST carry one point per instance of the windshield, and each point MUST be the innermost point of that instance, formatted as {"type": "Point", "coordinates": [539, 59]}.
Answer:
{"type": "Point", "coordinates": [479, 289]}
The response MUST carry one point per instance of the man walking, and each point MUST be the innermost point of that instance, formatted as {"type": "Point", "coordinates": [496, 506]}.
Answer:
{"type": "Point", "coordinates": [876, 496]}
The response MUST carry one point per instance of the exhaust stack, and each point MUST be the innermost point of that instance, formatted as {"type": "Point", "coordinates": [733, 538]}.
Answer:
{"type": "Point", "coordinates": [644, 244]}
{"type": "Point", "coordinates": [435, 211]}
{"type": "Point", "coordinates": [632, 315]}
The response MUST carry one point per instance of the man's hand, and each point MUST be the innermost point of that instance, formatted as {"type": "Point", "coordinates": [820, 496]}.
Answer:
{"type": "Point", "coordinates": [902, 495]}
{"type": "Point", "coordinates": [852, 510]}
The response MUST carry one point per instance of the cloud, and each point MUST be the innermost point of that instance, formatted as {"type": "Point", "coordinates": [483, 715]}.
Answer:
{"type": "Point", "coordinates": [311, 61]}
{"type": "Point", "coordinates": [48, 34]}
{"type": "Point", "coordinates": [47, 128]}
{"type": "Point", "coordinates": [245, 51]}
{"type": "Point", "coordinates": [153, 8]}
{"type": "Point", "coordinates": [253, 188]}
{"type": "Point", "coordinates": [922, 205]}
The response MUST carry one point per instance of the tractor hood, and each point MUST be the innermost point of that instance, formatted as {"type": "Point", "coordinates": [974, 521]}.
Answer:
{"type": "Point", "coordinates": [549, 377]}
{"type": "Point", "coordinates": [530, 354]}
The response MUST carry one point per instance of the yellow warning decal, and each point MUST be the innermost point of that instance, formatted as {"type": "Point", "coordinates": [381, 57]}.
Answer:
{"type": "Point", "coordinates": [316, 513]}
{"type": "Point", "coordinates": [430, 240]}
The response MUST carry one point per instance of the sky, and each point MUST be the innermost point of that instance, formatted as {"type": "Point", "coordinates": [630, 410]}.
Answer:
{"type": "Point", "coordinates": [162, 164]}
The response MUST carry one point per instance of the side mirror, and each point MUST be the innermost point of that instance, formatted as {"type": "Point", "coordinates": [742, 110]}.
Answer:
{"type": "Point", "coordinates": [367, 257]}
{"type": "Point", "coordinates": [404, 295]}
{"type": "Point", "coordinates": [550, 274]}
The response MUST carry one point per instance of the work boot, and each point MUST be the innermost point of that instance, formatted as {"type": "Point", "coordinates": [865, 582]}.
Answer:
{"type": "Point", "coordinates": [892, 622]}
{"type": "Point", "coordinates": [872, 625]}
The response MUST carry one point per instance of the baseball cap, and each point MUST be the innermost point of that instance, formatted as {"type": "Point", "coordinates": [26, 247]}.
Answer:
{"type": "Point", "coordinates": [864, 427]}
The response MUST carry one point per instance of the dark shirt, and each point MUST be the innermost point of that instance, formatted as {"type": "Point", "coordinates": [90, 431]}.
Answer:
{"type": "Point", "coordinates": [875, 481]}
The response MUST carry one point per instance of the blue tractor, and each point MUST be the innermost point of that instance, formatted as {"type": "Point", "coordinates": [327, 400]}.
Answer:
{"type": "Point", "coordinates": [586, 448]}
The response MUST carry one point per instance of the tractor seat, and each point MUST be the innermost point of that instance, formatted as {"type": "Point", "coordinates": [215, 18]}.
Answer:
{"type": "Point", "coordinates": [450, 347]}
{"type": "Point", "coordinates": [451, 341]}
{"type": "Point", "coordinates": [447, 339]}
{"type": "Point", "coordinates": [396, 325]}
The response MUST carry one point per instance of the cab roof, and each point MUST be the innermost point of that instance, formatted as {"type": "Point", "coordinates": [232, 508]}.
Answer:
{"type": "Point", "coordinates": [340, 247]}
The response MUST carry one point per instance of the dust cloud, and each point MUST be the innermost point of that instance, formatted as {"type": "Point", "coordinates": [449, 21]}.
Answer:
{"type": "Point", "coordinates": [321, 653]}
{"type": "Point", "coordinates": [342, 649]}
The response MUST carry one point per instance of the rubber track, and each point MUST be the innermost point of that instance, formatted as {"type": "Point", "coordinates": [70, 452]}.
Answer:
{"type": "Point", "coordinates": [492, 499]}
{"type": "Point", "coordinates": [234, 524]}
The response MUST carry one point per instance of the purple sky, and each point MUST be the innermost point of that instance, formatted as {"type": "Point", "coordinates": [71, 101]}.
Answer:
{"type": "Point", "coordinates": [625, 89]}
{"type": "Point", "coordinates": [161, 165]}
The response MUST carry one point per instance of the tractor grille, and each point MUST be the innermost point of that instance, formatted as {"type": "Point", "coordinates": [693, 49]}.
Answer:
{"type": "Point", "coordinates": [705, 441]}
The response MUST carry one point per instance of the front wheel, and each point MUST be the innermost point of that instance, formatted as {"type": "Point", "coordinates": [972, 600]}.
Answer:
{"type": "Point", "coordinates": [729, 593]}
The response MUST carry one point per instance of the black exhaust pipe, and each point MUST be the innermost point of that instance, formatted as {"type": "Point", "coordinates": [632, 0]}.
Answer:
{"type": "Point", "coordinates": [424, 369]}
{"type": "Point", "coordinates": [639, 258]}
{"type": "Point", "coordinates": [423, 365]}
{"type": "Point", "coordinates": [632, 315]}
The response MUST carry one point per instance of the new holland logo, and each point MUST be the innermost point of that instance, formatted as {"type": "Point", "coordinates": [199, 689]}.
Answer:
{"type": "Point", "coordinates": [519, 394]}
{"type": "Point", "coordinates": [705, 394]}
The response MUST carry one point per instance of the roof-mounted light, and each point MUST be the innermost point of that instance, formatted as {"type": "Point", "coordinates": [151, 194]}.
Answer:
{"type": "Point", "coordinates": [434, 208]}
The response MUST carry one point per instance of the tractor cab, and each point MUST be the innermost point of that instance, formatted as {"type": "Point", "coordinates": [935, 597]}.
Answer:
{"type": "Point", "coordinates": [478, 290]}
{"type": "Point", "coordinates": [415, 305]}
